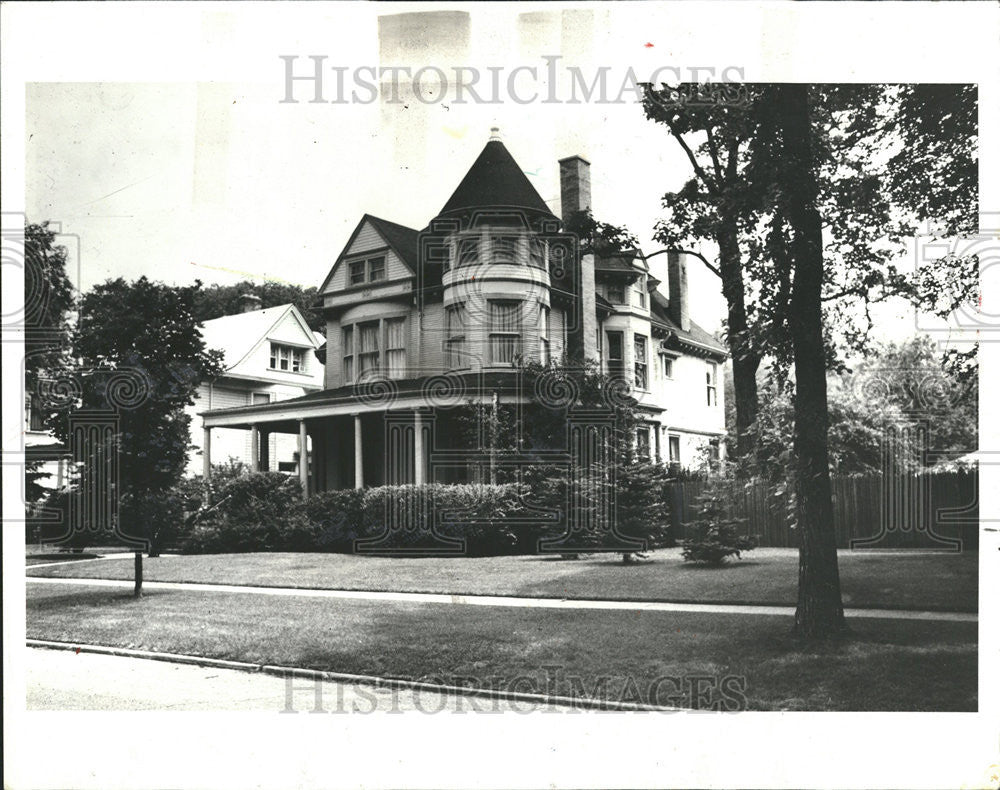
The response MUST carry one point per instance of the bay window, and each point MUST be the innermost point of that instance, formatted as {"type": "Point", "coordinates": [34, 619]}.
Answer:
{"type": "Point", "coordinates": [543, 334]}
{"type": "Point", "coordinates": [348, 353]}
{"type": "Point", "coordinates": [641, 364]}
{"type": "Point", "coordinates": [505, 331]}
{"type": "Point", "coordinates": [395, 348]}
{"type": "Point", "coordinates": [368, 350]}
{"type": "Point", "coordinates": [455, 337]}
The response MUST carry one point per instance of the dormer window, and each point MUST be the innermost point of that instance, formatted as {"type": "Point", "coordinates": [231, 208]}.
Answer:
{"type": "Point", "coordinates": [616, 293]}
{"type": "Point", "coordinates": [287, 358]}
{"type": "Point", "coordinates": [367, 271]}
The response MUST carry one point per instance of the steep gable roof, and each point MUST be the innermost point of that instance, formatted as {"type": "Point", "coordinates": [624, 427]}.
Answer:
{"type": "Point", "coordinates": [237, 335]}
{"type": "Point", "coordinates": [495, 180]}
{"type": "Point", "coordinates": [402, 240]}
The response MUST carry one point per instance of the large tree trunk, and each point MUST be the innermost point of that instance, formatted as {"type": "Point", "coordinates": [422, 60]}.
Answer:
{"type": "Point", "coordinates": [746, 361]}
{"type": "Point", "coordinates": [820, 611]}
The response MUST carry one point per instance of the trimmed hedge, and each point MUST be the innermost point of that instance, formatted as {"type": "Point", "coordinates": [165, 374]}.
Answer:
{"type": "Point", "coordinates": [265, 511]}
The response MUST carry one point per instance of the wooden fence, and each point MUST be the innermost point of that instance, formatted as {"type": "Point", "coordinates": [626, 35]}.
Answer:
{"type": "Point", "coordinates": [913, 511]}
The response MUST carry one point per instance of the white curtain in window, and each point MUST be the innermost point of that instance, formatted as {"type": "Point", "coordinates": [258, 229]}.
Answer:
{"type": "Point", "coordinates": [368, 356]}
{"type": "Point", "coordinates": [505, 331]}
{"type": "Point", "coordinates": [395, 348]}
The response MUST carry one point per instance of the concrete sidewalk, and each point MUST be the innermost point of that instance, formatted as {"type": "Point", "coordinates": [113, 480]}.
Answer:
{"type": "Point", "coordinates": [510, 601]}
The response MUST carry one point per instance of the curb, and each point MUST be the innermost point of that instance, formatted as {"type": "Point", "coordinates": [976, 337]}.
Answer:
{"type": "Point", "coordinates": [365, 680]}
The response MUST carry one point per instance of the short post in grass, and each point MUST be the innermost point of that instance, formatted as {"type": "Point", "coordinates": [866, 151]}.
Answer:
{"type": "Point", "coordinates": [138, 574]}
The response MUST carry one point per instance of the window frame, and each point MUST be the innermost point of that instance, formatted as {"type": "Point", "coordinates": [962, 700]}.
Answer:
{"type": "Point", "coordinates": [639, 289]}
{"type": "Point", "coordinates": [497, 334]}
{"type": "Point", "coordinates": [283, 353]}
{"type": "Point", "coordinates": [640, 342]}
{"type": "Point", "coordinates": [616, 365]}
{"type": "Point", "coordinates": [667, 367]}
{"type": "Point", "coordinates": [674, 441]}
{"type": "Point", "coordinates": [359, 277]}
{"type": "Point", "coordinates": [712, 384]}
{"type": "Point", "coordinates": [614, 299]}
{"type": "Point", "coordinates": [455, 341]}
{"type": "Point", "coordinates": [544, 329]}
{"type": "Point", "coordinates": [387, 369]}
{"type": "Point", "coordinates": [347, 338]}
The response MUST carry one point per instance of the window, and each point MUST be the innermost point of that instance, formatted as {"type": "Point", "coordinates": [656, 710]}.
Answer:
{"type": "Point", "coordinates": [666, 366]}
{"type": "Point", "coordinates": [639, 289]}
{"type": "Point", "coordinates": [34, 419]}
{"type": "Point", "coordinates": [711, 374]}
{"type": "Point", "coordinates": [642, 443]}
{"type": "Point", "coordinates": [468, 251]}
{"type": "Point", "coordinates": [616, 360]}
{"type": "Point", "coordinates": [286, 358]}
{"type": "Point", "coordinates": [641, 365]}
{"type": "Point", "coordinates": [455, 337]}
{"type": "Point", "coordinates": [504, 249]}
{"type": "Point", "coordinates": [368, 355]}
{"type": "Point", "coordinates": [616, 293]}
{"type": "Point", "coordinates": [505, 332]}
{"type": "Point", "coordinates": [536, 253]}
{"type": "Point", "coordinates": [543, 334]}
{"type": "Point", "coordinates": [674, 443]}
{"type": "Point", "coordinates": [395, 348]}
{"type": "Point", "coordinates": [348, 353]}
{"type": "Point", "coordinates": [260, 398]}
{"type": "Point", "coordinates": [371, 270]}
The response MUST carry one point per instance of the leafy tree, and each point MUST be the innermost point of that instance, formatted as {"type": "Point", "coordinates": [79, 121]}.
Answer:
{"type": "Point", "coordinates": [138, 353]}
{"type": "Point", "coordinates": [215, 301]}
{"type": "Point", "coordinates": [887, 158]}
{"type": "Point", "coordinates": [785, 160]}
{"type": "Point", "coordinates": [560, 393]}
{"type": "Point", "coordinates": [48, 301]}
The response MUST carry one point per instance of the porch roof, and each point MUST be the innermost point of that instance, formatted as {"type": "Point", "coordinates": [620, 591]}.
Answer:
{"type": "Point", "coordinates": [378, 395]}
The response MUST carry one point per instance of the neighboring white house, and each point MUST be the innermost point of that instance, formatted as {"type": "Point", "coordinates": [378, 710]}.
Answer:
{"type": "Point", "coordinates": [270, 355]}
{"type": "Point", "coordinates": [420, 320]}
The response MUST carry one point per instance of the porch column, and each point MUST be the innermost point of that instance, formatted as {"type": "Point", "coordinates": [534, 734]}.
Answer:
{"type": "Point", "coordinates": [265, 450]}
{"type": "Point", "coordinates": [254, 448]}
{"type": "Point", "coordinates": [206, 455]}
{"type": "Point", "coordinates": [418, 449]}
{"type": "Point", "coordinates": [303, 458]}
{"type": "Point", "coordinates": [359, 472]}
{"type": "Point", "coordinates": [658, 429]}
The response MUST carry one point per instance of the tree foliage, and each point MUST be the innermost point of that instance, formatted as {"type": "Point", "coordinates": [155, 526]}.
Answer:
{"type": "Point", "coordinates": [138, 354]}
{"type": "Point", "coordinates": [49, 299]}
{"type": "Point", "coordinates": [215, 301]}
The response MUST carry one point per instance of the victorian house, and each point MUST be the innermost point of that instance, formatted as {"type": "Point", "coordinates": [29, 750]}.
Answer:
{"type": "Point", "coordinates": [419, 321]}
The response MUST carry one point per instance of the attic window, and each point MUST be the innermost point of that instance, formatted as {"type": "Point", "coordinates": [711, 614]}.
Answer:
{"type": "Point", "coordinates": [287, 358]}
{"type": "Point", "coordinates": [468, 251]}
{"type": "Point", "coordinates": [370, 270]}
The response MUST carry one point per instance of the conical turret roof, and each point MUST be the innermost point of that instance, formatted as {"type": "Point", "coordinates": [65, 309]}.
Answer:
{"type": "Point", "coordinates": [495, 180]}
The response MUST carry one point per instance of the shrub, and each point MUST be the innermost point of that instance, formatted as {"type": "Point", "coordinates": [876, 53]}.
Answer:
{"type": "Point", "coordinates": [408, 517]}
{"type": "Point", "coordinates": [715, 534]}
{"type": "Point", "coordinates": [336, 518]}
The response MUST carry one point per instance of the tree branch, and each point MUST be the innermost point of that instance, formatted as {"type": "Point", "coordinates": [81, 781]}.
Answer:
{"type": "Point", "coordinates": [713, 269]}
{"type": "Point", "coordinates": [699, 171]}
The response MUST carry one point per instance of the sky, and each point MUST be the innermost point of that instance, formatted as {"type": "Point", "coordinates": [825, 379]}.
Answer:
{"type": "Point", "coordinates": [223, 181]}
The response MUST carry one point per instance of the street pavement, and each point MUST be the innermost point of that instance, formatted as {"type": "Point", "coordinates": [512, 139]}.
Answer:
{"type": "Point", "coordinates": [67, 680]}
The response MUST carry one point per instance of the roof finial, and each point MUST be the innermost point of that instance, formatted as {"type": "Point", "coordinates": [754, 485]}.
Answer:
{"type": "Point", "coordinates": [494, 133]}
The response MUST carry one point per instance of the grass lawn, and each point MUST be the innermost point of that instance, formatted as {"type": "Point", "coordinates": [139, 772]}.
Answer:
{"type": "Point", "coordinates": [884, 665]}
{"type": "Point", "coordinates": [895, 580]}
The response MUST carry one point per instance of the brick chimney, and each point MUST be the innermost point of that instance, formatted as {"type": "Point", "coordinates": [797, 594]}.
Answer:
{"type": "Point", "coordinates": [249, 302]}
{"type": "Point", "coordinates": [574, 188]}
{"type": "Point", "coordinates": [677, 283]}
{"type": "Point", "coordinates": [574, 185]}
